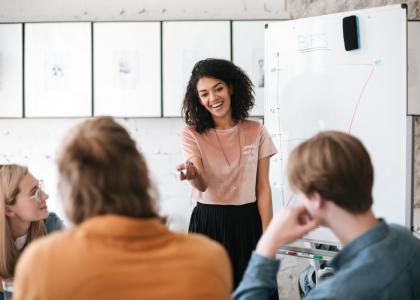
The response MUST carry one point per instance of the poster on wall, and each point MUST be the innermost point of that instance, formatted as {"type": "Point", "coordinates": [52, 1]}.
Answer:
{"type": "Point", "coordinates": [11, 77]}
{"type": "Point", "coordinates": [58, 70]}
{"type": "Point", "coordinates": [248, 53]}
{"type": "Point", "coordinates": [184, 44]}
{"type": "Point", "coordinates": [127, 64]}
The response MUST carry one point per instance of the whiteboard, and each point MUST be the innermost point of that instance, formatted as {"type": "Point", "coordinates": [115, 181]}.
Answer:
{"type": "Point", "coordinates": [248, 54]}
{"type": "Point", "coordinates": [413, 67]}
{"type": "Point", "coordinates": [313, 84]}
{"type": "Point", "coordinates": [127, 69]}
{"type": "Point", "coordinates": [11, 72]}
{"type": "Point", "coordinates": [58, 69]}
{"type": "Point", "coordinates": [184, 44]}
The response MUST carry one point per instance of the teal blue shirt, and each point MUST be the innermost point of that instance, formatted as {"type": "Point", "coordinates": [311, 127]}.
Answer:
{"type": "Point", "coordinates": [53, 223]}
{"type": "Point", "coordinates": [383, 263]}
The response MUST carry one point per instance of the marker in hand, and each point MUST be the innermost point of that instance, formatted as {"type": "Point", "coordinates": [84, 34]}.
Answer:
{"type": "Point", "coordinates": [183, 171]}
{"type": "Point", "coordinates": [186, 171]}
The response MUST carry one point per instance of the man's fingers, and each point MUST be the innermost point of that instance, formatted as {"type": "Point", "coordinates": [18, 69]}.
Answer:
{"type": "Point", "coordinates": [189, 172]}
{"type": "Point", "coordinates": [311, 225]}
{"type": "Point", "coordinates": [300, 208]}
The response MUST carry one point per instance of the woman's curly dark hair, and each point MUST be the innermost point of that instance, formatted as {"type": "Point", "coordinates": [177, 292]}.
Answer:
{"type": "Point", "coordinates": [242, 100]}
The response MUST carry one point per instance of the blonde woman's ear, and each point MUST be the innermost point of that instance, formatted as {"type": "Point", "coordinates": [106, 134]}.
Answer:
{"type": "Point", "coordinates": [8, 211]}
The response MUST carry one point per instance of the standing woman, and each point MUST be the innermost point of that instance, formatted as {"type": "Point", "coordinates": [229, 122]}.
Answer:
{"type": "Point", "coordinates": [228, 160]}
{"type": "Point", "coordinates": [24, 215]}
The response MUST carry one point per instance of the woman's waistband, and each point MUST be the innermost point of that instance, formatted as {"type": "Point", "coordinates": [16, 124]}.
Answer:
{"type": "Point", "coordinates": [227, 206]}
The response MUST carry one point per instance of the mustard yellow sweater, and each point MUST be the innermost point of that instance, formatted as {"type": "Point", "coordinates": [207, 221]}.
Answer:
{"type": "Point", "coordinates": [115, 257]}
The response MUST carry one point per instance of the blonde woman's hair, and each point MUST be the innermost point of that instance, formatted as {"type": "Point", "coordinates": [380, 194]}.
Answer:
{"type": "Point", "coordinates": [102, 172]}
{"type": "Point", "coordinates": [10, 178]}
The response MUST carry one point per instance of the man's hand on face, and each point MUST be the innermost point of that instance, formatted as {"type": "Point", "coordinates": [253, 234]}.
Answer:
{"type": "Point", "coordinates": [289, 224]}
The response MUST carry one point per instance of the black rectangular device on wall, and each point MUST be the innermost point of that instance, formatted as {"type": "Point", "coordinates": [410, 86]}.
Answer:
{"type": "Point", "coordinates": [350, 33]}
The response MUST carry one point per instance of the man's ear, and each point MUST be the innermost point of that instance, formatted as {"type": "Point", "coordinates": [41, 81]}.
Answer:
{"type": "Point", "coordinates": [317, 200]}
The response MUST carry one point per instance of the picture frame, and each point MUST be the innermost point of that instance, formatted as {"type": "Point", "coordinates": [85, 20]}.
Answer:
{"type": "Point", "coordinates": [58, 69]}
{"type": "Point", "coordinates": [11, 71]}
{"type": "Point", "coordinates": [127, 69]}
{"type": "Point", "coordinates": [248, 54]}
{"type": "Point", "coordinates": [184, 44]}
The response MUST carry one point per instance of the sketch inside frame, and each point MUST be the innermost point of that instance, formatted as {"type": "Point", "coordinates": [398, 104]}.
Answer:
{"type": "Point", "coordinates": [126, 65]}
{"type": "Point", "coordinates": [258, 67]}
{"type": "Point", "coordinates": [54, 72]}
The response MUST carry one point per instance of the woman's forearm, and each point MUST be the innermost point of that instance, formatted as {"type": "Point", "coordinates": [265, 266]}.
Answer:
{"type": "Point", "coordinates": [263, 191]}
{"type": "Point", "coordinates": [265, 207]}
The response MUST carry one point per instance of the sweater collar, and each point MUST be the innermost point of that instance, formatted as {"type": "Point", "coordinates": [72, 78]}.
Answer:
{"type": "Point", "coordinates": [118, 226]}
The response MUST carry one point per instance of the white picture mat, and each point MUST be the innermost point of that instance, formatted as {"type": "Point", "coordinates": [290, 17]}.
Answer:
{"type": "Point", "coordinates": [413, 67]}
{"type": "Point", "coordinates": [184, 44]}
{"type": "Point", "coordinates": [11, 77]}
{"type": "Point", "coordinates": [313, 85]}
{"type": "Point", "coordinates": [127, 66]}
{"type": "Point", "coordinates": [58, 70]}
{"type": "Point", "coordinates": [248, 54]}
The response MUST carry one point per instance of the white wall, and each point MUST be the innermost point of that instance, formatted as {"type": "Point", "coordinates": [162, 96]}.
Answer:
{"type": "Point", "coordinates": [123, 10]}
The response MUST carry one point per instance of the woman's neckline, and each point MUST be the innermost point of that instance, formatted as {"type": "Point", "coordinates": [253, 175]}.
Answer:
{"type": "Point", "coordinates": [227, 130]}
{"type": "Point", "coordinates": [21, 241]}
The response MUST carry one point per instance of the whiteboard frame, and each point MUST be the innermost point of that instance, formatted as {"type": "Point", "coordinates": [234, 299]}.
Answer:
{"type": "Point", "coordinates": [413, 57]}
{"type": "Point", "coordinates": [11, 70]}
{"type": "Point", "coordinates": [181, 39]}
{"type": "Point", "coordinates": [410, 172]}
{"type": "Point", "coordinates": [137, 45]}
{"type": "Point", "coordinates": [58, 69]}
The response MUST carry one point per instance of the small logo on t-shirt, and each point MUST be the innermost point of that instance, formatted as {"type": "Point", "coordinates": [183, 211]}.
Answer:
{"type": "Point", "coordinates": [250, 150]}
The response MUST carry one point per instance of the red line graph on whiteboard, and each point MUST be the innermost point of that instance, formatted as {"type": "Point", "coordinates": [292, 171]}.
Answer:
{"type": "Point", "coordinates": [359, 98]}
{"type": "Point", "coordinates": [291, 197]}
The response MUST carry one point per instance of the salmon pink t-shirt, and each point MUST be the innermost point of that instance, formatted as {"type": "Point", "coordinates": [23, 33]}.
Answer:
{"type": "Point", "coordinates": [230, 160]}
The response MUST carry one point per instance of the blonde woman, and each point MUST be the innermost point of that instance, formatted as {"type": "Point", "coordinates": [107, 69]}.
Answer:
{"type": "Point", "coordinates": [120, 247]}
{"type": "Point", "coordinates": [24, 215]}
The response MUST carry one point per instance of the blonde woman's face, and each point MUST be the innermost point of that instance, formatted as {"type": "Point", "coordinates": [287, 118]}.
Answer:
{"type": "Point", "coordinates": [30, 203]}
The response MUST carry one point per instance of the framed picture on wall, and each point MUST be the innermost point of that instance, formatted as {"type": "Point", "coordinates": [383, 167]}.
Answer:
{"type": "Point", "coordinates": [248, 53]}
{"type": "Point", "coordinates": [184, 44]}
{"type": "Point", "coordinates": [11, 71]}
{"type": "Point", "coordinates": [127, 69]}
{"type": "Point", "coordinates": [58, 69]}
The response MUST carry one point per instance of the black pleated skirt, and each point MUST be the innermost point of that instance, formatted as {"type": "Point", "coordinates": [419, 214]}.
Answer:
{"type": "Point", "coordinates": [236, 227]}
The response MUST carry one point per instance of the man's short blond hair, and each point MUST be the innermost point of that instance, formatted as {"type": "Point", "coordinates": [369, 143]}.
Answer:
{"type": "Point", "coordinates": [337, 166]}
